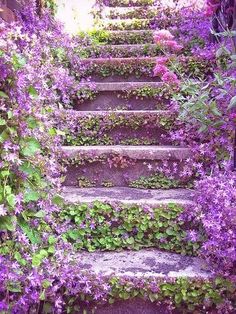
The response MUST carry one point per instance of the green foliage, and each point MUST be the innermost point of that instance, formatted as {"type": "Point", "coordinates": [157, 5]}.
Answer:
{"type": "Point", "coordinates": [187, 296]}
{"type": "Point", "coordinates": [106, 227]}
{"type": "Point", "coordinates": [157, 181]}
{"type": "Point", "coordinates": [198, 105]}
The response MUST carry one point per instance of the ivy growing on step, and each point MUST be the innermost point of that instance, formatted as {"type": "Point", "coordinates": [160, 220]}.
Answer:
{"type": "Point", "coordinates": [114, 226]}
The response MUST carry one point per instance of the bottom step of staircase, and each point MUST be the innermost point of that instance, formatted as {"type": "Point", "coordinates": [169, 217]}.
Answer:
{"type": "Point", "coordinates": [147, 264]}
{"type": "Point", "coordinates": [128, 195]}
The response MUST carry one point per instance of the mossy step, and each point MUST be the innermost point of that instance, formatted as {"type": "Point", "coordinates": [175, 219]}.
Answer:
{"type": "Point", "coordinates": [120, 51]}
{"type": "Point", "coordinates": [125, 218]}
{"type": "Point", "coordinates": [128, 166]}
{"type": "Point", "coordinates": [116, 127]}
{"type": "Point", "coordinates": [121, 69]}
{"type": "Point", "coordinates": [128, 37]}
{"type": "Point", "coordinates": [131, 12]}
{"type": "Point", "coordinates": [127, 24]}
{"type": "Point", "coordinates": [127, 96]}
{"type": "Point", "coordinates": [141, 69]}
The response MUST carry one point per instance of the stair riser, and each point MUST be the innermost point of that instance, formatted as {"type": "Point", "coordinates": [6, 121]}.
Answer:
{"type": "Point", "coordinates": [116, 128]}
{"type": "Point", "coordinates": [142, 69]}
{"type": "Point", "coordinates": [137, 13]}
{"type": "Point", "coordinates": [120, 78]}
{"type": "Point", "coordinates": [120, 52]}
{"type": "Point", "coordinates": [116, 38]}
{"type": "Point", "coordinates": [121, 136]}
{"type": "Point", "coordinates": [109, 173]}
{"type": "Point", "coordinates": [108, 100]}
{"type": "Point", "coordinates": [129, 26]}
{"type": "Point", "coordinates": [133, 306]}
{"type": "Point", "coordinates": [129, 227]}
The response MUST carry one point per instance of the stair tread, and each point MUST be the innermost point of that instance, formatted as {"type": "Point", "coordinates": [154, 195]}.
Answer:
{"type": "Point", "coordinates": [120, 86]}
{"type": "Point", "coordinates": [134, 152]}
{"type": "Point", "coordinates": [144, 263]}
{"type": "Point", "coordinates": [132, 31]}
{"type": "Point", "coordinates": [108, 112]}
{"type": "Point", "coordinates": [128, 195]}
{"type": "Point", "coordinates": [124, 46]}
{"type": "Point", "coordinates": [118, 60]}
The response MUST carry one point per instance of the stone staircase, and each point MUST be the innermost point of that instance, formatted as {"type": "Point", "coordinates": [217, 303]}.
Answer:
{"type": "Point", "coordinates": [119, 153]}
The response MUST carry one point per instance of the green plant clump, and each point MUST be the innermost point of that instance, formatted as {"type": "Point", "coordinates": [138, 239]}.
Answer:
{"type": "Point", "coordinates": [110, 227]}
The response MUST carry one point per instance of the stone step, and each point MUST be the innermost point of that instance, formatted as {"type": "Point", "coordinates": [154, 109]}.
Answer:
{"type": "Point", "coordinates": [120, 51]}
{"type": "Point", "coordinates": [129, 37]}
{"type": "Point", "coordinates": [128, 196]}
{"type": "Point", "coordinates": [116, 127]}
{"type": "Point", "coordinates": [128, 24]}
{"type": "Point", "coordinates": [133, 152]}
{"type": "Point", "coordinates": [131, 218]}
{"type": "Point", "coordinates": [128, 166]}
{"type": "Point", "coordinates": [147, 12]}
{"type": "Point", "coordinates": [128, 3]}
{"type": "Point", "coordinates": [127, 96]}
{"type": "Point", "coordinates": [122, 86]}
{"type": "Point", "coordinates": [120, 69]}
{"type": "Point", "coordinates": [146, 263]}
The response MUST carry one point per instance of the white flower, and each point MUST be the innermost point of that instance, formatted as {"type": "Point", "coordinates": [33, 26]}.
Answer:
{"type": "Point", "coordinates": [3, 210]}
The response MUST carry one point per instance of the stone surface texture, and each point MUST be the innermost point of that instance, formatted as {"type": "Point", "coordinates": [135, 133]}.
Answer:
{"type": "Point", "coordinates": [144, 263]}
{"type": "Point", "coordinates": [128, 195]}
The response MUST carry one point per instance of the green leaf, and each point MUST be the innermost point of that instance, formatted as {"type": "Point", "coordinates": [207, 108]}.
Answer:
{"type": "Point", "coordinates": [32, 91]}
{"type": "Point", "coordinates": [58, 200]}
{"type": "Point", "coordinates": [3, 95]}
{"type": "Point", "coordinates": [232, 103]}
{"type": "Point", "coordinates": [7, 223]}
{"type": "Point", "coordinates": [40, 214]}
{"type": "Point", "coordinates": [32, 234]}
{"type": "Point", "coordinates": [11, 200]}
{"type": "Point", "coordinates": [30, 147]}
{"type": "Point", "coordinates": [18, 61]}
{"type": "Point", "coordinates": [31, 196]}
{"type": "Point", "coordinates": [42, 296]}
{"type": "Point", "coordinates": [46, 284]}
{"type": "Point", "coordinates": [52, 239]}
{"type": "Point", "coordinates": [2, 122]}
{"type": "Point", "coordinates": [130, 240]}
{"type": "Point", "coordinates": [19, 259]}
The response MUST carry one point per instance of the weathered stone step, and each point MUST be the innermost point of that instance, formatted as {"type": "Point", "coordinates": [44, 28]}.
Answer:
{"type": "Point", "coordinates": [122, 86]}
{"type": "Point", "coordinates": [131, 12]}
{"type": "Point", "coordinates": [121, 69]}
{"type": "Point", "coordinates": [130, 218]}
{"type": "Point", "coordinates": [116, 127]}
{"type": "Point", "coordinates": [133, 152]}
{"type": "Point", "coordinates": [127, 96]}
{"type": "Point", "coordinates": [146, 263]}
{"type": "Point", "coordinates": [128, 166]}
{"type": "Point", "coordinates": [120, 51]}
{"type": "Point", "coordinates": [128, 3]}
{"type": "Point", "coordinates": [129, 37]}
{"type": "Point", "coordinates": [126, 195]}
{"type": "Point", "coordinates": [147, 268]}
{"type": "Point", "coordinates": [128, 24]}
